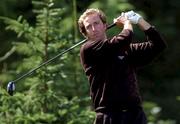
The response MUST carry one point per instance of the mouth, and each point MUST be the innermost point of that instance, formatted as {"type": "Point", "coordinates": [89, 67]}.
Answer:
{"type": "Point", "coordinates": [95, 34]}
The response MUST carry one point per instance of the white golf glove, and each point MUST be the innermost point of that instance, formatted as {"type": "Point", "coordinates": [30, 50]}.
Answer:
{"type": "Point", "coordinates": [133, 17]}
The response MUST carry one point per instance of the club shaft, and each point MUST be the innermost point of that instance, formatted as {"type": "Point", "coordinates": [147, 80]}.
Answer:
{"type": "Point", "coordinates": [60, 54]}
{"type": "Point", "coordinates": [48, 61]}
{"type": "Point", "coordinates": [111, 25]}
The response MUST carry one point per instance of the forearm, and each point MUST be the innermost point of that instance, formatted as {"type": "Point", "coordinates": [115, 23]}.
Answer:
{"type": "Point", "coordinates": [152, 34]}
{"type": "Point", "coordinates": [156, 38]}
{"type": "Point", "coordinates": [120, 41]}
{"type": "Point", "coordinates": [122, 21]}
{"type": "Point", "coordinates": [128, 25]}
{"type": "Point", "coordinates": [144, 25]}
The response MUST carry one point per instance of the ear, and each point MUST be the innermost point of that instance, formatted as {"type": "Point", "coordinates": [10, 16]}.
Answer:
{"type": "Point", "coordinates": [105, 26]}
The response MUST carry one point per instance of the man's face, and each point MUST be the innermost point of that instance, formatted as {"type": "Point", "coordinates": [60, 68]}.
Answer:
{"type": "Point", "coordinates": [95, 28]}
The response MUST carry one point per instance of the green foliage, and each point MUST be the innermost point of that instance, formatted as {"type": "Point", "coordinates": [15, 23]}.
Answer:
{"type": "Point", "coordinates": [152, 111]}
{"type": "Point", "coordinates": [50, 95]}
{"type": "Point", "coordinates": [57, 92]}
{"type": "Point", "coordinates": [49, 108]}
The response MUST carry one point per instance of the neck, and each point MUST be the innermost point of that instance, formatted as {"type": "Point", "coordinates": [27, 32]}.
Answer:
{"type": "Point", "coordinates": [101, 39]}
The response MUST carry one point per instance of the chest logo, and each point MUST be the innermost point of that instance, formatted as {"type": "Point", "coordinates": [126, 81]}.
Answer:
{"type": "Point", "coordinates": [121, 57]}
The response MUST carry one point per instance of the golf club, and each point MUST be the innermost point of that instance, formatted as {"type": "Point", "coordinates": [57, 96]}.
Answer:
{"type": "Point", "coordinates": [11, 84]}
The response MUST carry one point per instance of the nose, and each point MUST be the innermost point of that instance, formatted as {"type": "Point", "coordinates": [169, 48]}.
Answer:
{"type": "Point", "coordinates": [93, 28]}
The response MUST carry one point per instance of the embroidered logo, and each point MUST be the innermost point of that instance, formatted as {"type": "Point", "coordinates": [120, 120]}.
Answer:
{"type": "Point", "coordinates": [121, 57]}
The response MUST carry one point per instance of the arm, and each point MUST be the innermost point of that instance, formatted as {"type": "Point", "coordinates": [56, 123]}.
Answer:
{"type": "Point", "coordinates": [112, 45]}
{"type": "Point", "coordinates": [93, 53]}
{"type": "Point", "coordinates": [143, 53]}
{"type": "Point", "coordinates": [144, 25]}
{"type": "Point", "coordinates": [124, 38]}
{"type": "Point", "coordinates": [123, 21]}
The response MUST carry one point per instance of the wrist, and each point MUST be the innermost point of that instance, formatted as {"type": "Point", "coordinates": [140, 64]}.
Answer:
{"type": "Point", "coordinates": [127, 22]}
{"type": "Point", "coordinates": [128, 25]}
{"type": "Point", "coordinates": [144, 25]}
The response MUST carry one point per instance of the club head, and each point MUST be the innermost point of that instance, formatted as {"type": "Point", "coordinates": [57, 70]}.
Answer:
{"type": "Point", "coordinates": [11, 88]}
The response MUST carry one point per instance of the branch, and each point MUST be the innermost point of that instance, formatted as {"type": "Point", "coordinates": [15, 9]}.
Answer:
{"type": "Point", "coordinates": [8, 54]}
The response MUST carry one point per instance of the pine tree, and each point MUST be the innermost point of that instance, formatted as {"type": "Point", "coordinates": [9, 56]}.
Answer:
{"type": "Point", "coordinates": [44, 96]}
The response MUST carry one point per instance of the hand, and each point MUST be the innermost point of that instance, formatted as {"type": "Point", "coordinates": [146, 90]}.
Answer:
{"type": "Point", "coordinates": [121, 20]}
{"type": "Point", "coordinates": [129, 13]}
{"type": "Point", "coordinates": [133, 17]}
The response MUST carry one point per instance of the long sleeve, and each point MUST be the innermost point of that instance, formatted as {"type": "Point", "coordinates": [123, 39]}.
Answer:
{"type": "Point", "coordinates": [143, 53]}
{"type": "Point", "coordinates": [112, 80]}
{"type": "Point", "coordinates": [93, 53]}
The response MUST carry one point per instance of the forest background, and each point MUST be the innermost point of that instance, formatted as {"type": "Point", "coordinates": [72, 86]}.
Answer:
{"type": "Point", "coordinates": [32, 32]}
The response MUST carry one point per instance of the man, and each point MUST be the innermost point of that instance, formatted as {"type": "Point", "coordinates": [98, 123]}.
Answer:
{"type": "Point", "coordinates": [110, 65]}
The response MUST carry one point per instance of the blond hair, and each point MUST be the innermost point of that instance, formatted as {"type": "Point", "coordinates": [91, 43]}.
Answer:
{"type": "Point", "coordinates": [87, 13]}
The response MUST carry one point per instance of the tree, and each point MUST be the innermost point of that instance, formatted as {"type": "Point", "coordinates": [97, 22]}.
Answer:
{"type": "Point", "coordinates": [63, 81]}
{"type": "Point", "coordinates": [41, 98]}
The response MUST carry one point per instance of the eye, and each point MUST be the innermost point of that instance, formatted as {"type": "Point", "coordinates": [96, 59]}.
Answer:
{"type": "Point", "coordinates": [88, 27]}
{"type": "Point", "coordinates": [96, 23]}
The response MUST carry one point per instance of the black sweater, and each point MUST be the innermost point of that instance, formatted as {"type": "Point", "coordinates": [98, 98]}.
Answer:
{"type": "Point", "coordinates": [111, 68]}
